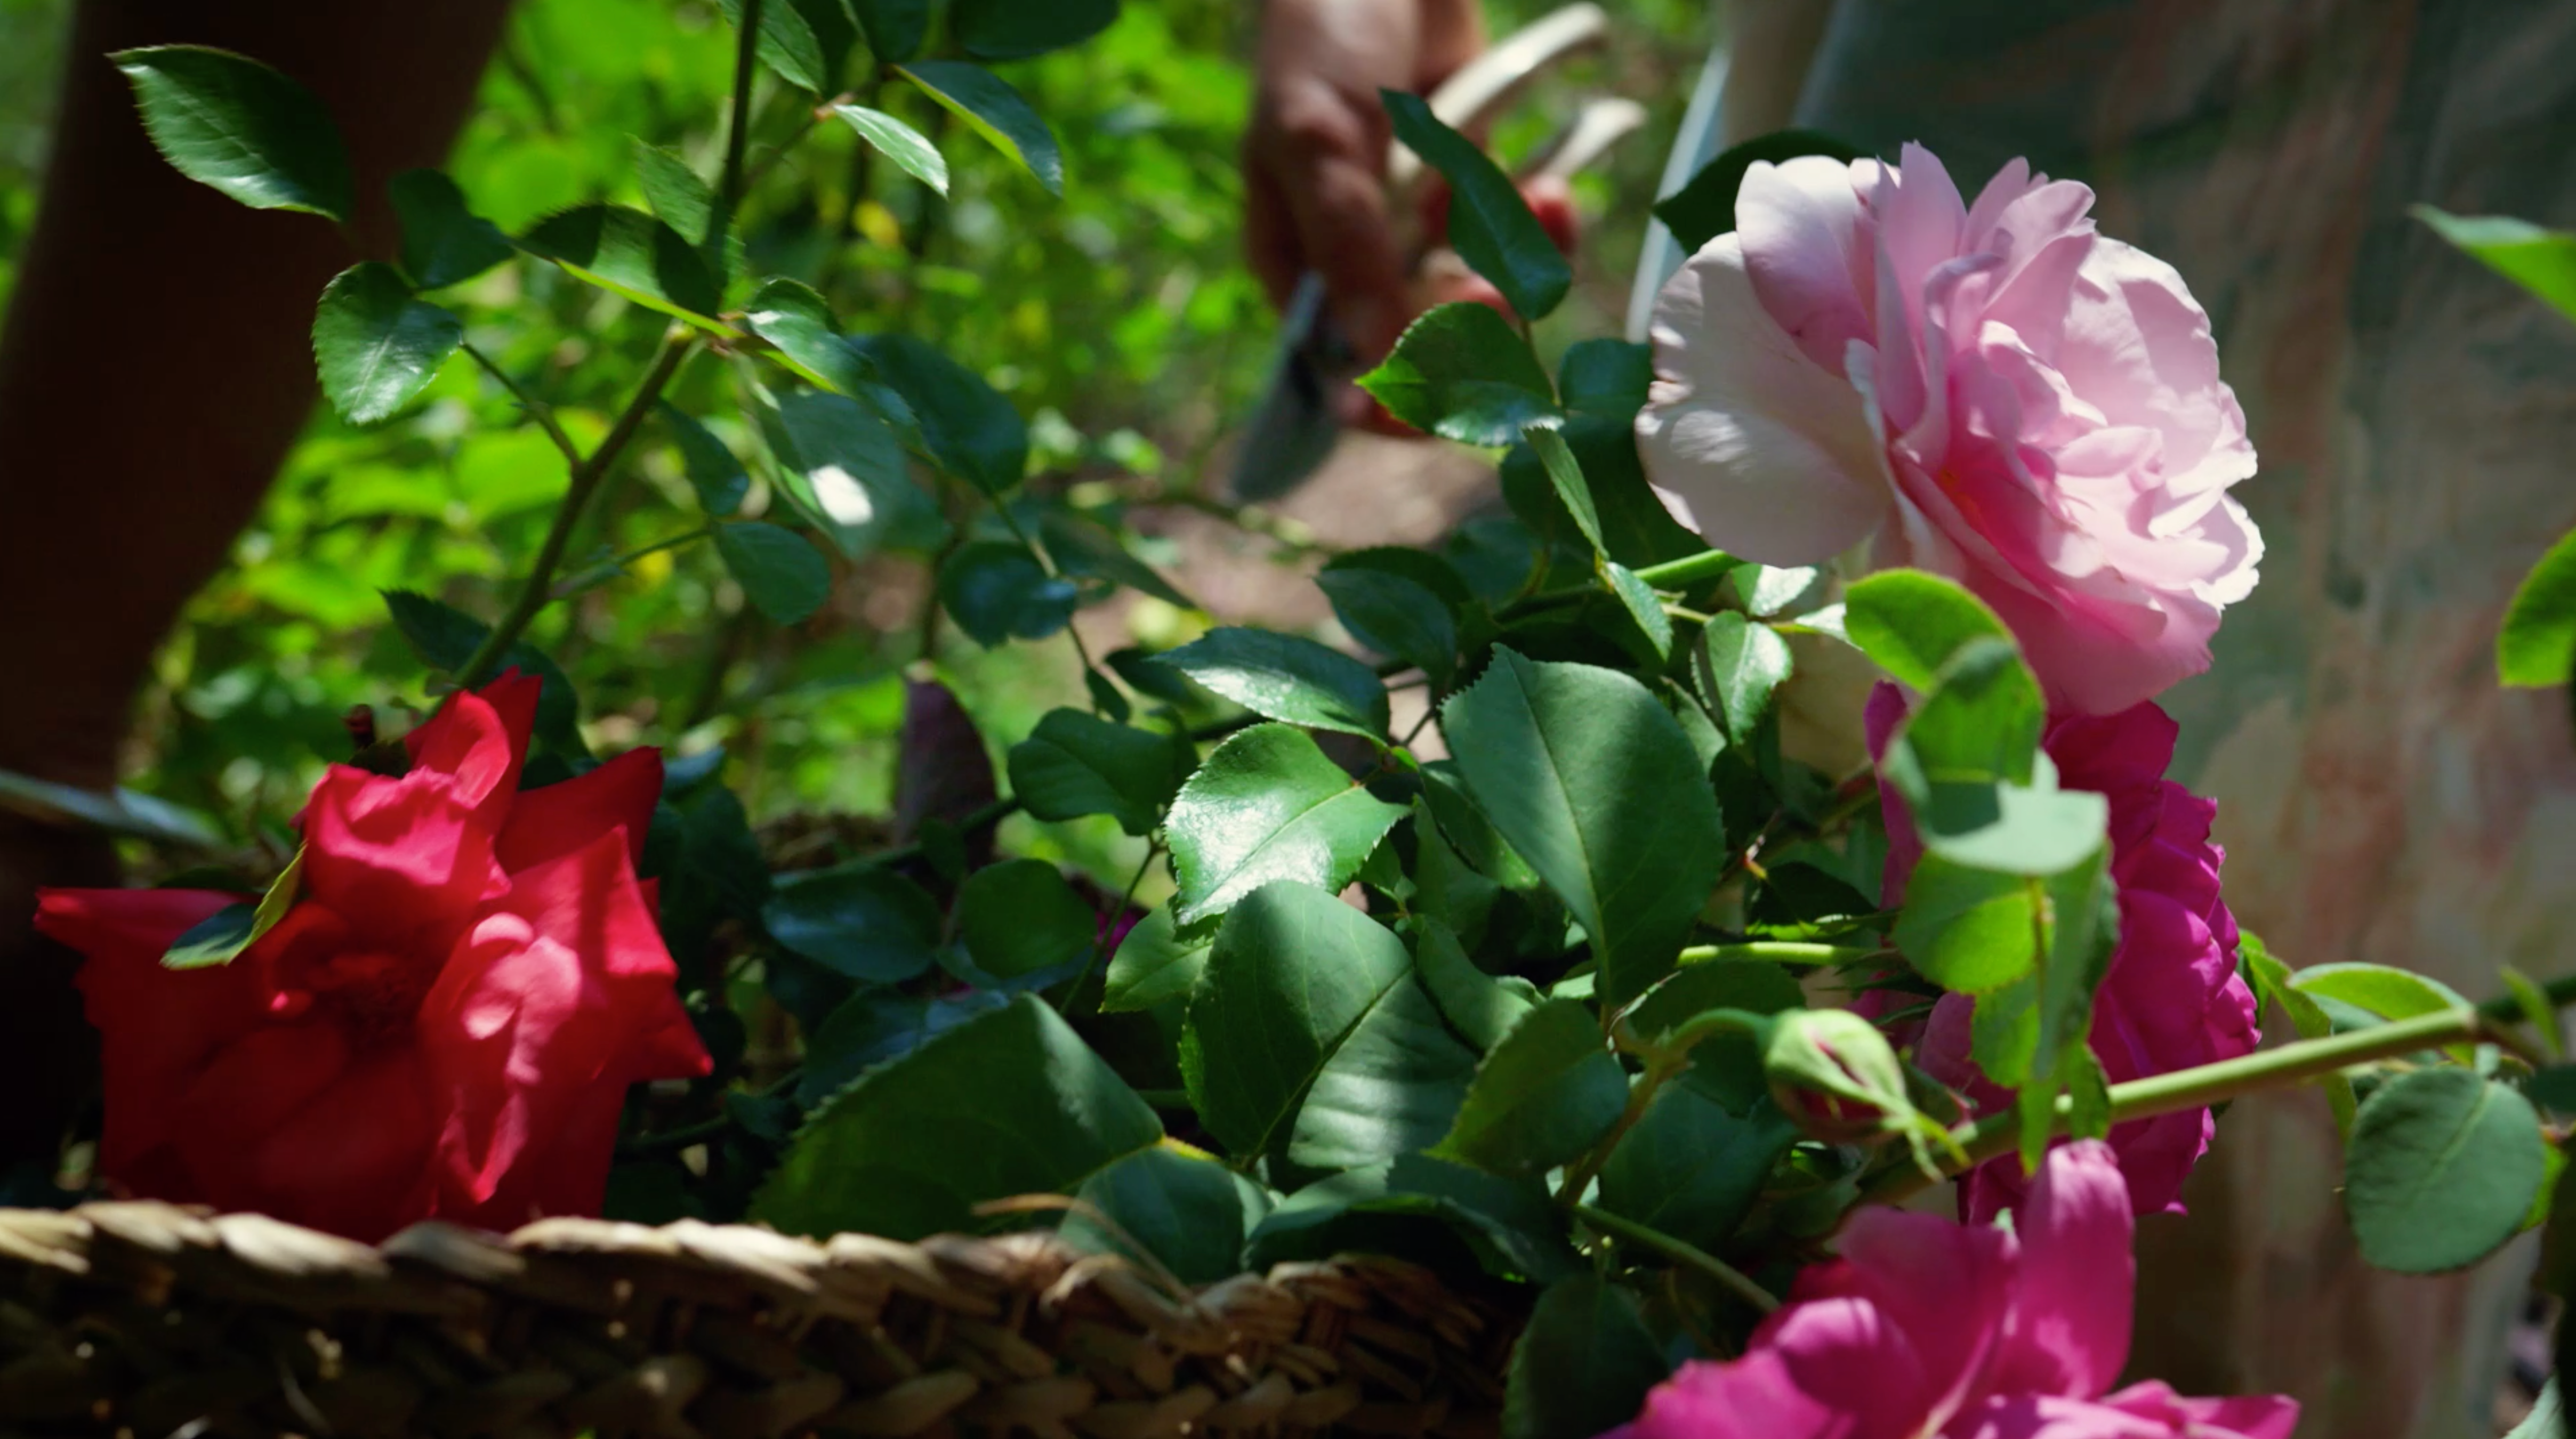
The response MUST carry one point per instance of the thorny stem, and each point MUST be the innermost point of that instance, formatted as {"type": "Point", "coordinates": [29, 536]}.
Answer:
{"type": "Point", "coordinates": [1735, 1280]}
{"type": "Point", "coordinates": [538, 588]}
{"type": "Point", "coordinates": [1996, 1134]}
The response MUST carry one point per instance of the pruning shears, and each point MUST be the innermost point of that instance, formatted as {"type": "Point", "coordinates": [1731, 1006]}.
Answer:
{"type": "Point", "coordinates": [1294, 426]}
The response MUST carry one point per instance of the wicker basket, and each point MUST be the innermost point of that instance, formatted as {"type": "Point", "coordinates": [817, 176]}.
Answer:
{"type": "Point", "coordinates": [152, 1320]}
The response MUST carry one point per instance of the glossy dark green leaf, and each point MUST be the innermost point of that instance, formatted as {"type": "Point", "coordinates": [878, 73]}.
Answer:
{"type": "Point", "coordinates": [1583, 1365]}
{"type": "Point", "coordinates": [781, 574]}
{"type": "Point", "coordinates": [1549, 1090]}
{"type": "Point", "coordinates": [859, 921]}
{"type": "Point", "coordinates": [2541, 261]}
{"type": "Point", "coordinates": [1394, 616]}
{"type": "Point", "coordinates": [1704, 208]}
{"type": "Point", "coordinates": [970, 429]}
{"type": "Point", "coordinates": [228, 121]}
{"type": "Point", "coordinates": [1726, 1067]}
{"type": "Point", "coordinates": [879, 1026]}
{"type": "Point", "coordinates": [713, 470]}
{"type": "Point", "coordinates": [1294, 970]}
{"type": "Point", "coordinates": [1084, 546]}
{"type": "Point", "coordinates": [1286, 677]}
{"type": "Point", "coordinates": [844, 469]}
{"type": "Point", "coordinates": [375, 346]}
{"type": "Point", "coordinates": [1390, 1088]}
{"type": "Point", "coordinates": [2537, 646]}
{"type": "Point", "coordinates": [806, 41]}
{"type": "Point", "coordinates": [1422, 567]}
{"type": "Point", "coordinates": [632, 254]}
{"type": "Point", "coordinates": [1157, 961]}
{"type": "Point", "coordinates": [1636, 529]}
{"type": "Point", "coordinates": [898, 142]}
{"type": "Point", "coordinates": [1592, 782]}
{"type": "Point", "coordinates": [1017, 29]}
{"type": "Point", "coordinates": [443, 242]}
{"type": "Point", "coordinates": [997, 591]}
{"type": "Point", "coordinates": [1267, 805]}
{"type": "Point", "coordinates": [1480, 1007]}
{"type": "Point", "coordinates": [445, 637]}
{"type": "Point", "coordinates": [1191, 1214]}
{"type": "Point", "coordinates": [1009, 1103]}
{"type": "Point", "coordinates": [894, 28]}
{"type": "Point", "coordinates": [1565, 476]}
{"type": "Point", "coordinates": [1444, 791]}
{"type": "Point", "coordinates": [1645, 610]}
{"type": "Point", "coordinates": [1605, 377]}
{"type": "Point", "coordinates": [1692, 1169]}
{"type": "Point", "coordinates": [790, 315]}
{"type": "Point", "coordinates": [1462, 372]}
{"type": "Point", "coordinates": [678, 195]}
{"type": "Point", "coordinates": [1075, 764]}
{"type": "Point", "coordinates": [1020, 918]}
{"type": "Point", "coordinates": [992, 109]}
{"type": "Point", "coordinates": [1509, 1225]}
{"type": "Point", "coordinates": [2442, 1169]}
{"type": "Point", "coordinates": [1745, 663]}
{"type": "Point", "coordinates": [1490, 225]}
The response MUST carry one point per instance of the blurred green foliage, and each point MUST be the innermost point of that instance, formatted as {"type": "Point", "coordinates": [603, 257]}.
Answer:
{"type": "Point", "coordinates": [1119, 319]}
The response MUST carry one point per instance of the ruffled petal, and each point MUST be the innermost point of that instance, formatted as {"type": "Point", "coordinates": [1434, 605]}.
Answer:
{"type": "Point", "coordinates": [1752, 1398]}
{"type": "Point", "coordinates": [1747, 440]}
{"type": "Point", "coordinates": [2068, 1331]}
{"type": "Point", "coordinates": [554, 821]}
{"type": "Point", "coordinates": [1796, 224]}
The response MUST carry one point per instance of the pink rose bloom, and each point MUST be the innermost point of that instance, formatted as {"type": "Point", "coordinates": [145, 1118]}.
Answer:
{"type": "Point", "coordinates": [1926, 1328]}
{"type": "Point", "coordinates": [1996, 392]}
{"type": "Point", "coordinates": [2172, 998]}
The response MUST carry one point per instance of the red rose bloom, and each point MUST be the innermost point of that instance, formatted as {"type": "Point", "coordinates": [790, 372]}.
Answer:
{"type": "Point", "coordinates": [444, 1024]}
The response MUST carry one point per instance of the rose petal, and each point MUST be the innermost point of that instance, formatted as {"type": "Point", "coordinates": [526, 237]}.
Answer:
{"type": "Point", "coordinates": [554, 821]}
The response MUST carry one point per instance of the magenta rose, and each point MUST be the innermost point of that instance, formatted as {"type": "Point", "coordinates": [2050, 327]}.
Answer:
{"type": "Point", "coordinates": [1925, 1329]}
{"type": "Point", "coordinates": [1994, 391]}
{"type": "Point", "coordinates": [2172, 998]}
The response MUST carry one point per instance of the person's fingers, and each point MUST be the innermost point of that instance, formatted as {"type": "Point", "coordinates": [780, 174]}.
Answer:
{"type": "Point", "coordinates": [1321, 155]}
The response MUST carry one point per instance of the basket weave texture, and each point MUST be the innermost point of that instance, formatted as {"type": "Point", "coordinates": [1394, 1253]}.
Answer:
{"type": "Point", "coordinates": [153, 1320]}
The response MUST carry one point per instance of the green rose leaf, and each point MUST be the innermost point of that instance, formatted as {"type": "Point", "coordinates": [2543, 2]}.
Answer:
{"type": "Point", "coordinates": [2441, 1171]}
{"type": "Point", "coordinates": [1084, 546]}
{"type": "Point", "coordinates": [858, 921]}
{"type": "Point", "coordinates": [879, 1026]}
{"type": "Point", "coordinates": [1911, 623]}
{"type": "Point", "coordinates": [1390, 1088]}
{"type": "Point", "coordinates": [1509, 1225]}
{"type": "Point", "coordinates": [1019, 919]}
{"type": "Point", "coordinates": [1157, 961]}
{"type": "Point", "coordinates": [1463, 373]}
{"type": "Point", "coordinates": [1548, 1091]}
{"type": "Point", "coordinates": [228, 121]}
{"type": "Point", "coordinates": [630, 253]}
{"type": "Point", "coordinates": [843, 468]}
{"type": "Point", "coordinates": [2541, 261]}
{"type": "Point", "coordinates": [1490, 225]}
{"type": "Point", "coordinates": [2537, 646]}
{"type": "Point", "coordinates": [1017, 29]}
{"type": "Point", "coordinates": [1292, 974]}
{"type": "Point", "coordinates": [1595, 785]}
{"type": "Point", "coordinates": [806, 41]}
{"type": "Point", "coordinates": [220, 937]}
{"type": "Point", "coordinates": [1606, 377]}
{"type": "Point", "coordinates": [1645, 609]}
{"type": "Point", "coordinates": [969, 428]}
{"type": "Point", "coordinates": [1286, 677]}
{"type": "Point", "coordinates": [1565, 476]}
{"type": "Point", "coordinates": [894, 27]}
{"type": "Point", "coordinates": [2308, 1019]}
{"type": "Point", "coordinates": [1636, 529]}
{"type": "Point", "coordinates": [713, 470]}
{"type": "Point", "coordinates": [1743, 664]}
{"type": "Point", "coordinates": [898, 142]}
{"type": "Point", "coordinates": [676, 193]}
{"type": "Point", "coordinates": [1967, 930]}
{"type": "Point", "coordinates": [779, 572]}
{"type": "Point", "coordinates": [1395, 616]}
{"type": "Point", "coordinates": [1190, 1214]}
{"type": "Point", "coordinates": [443, 242]}
{"type": "Point", "coordinates": [790, 315]}
{"type": "Point", "coordinates": [997, 591]}
{"type": "Point", "coordinates": [1727, 1066]}
{"type": "Point", "coordinates": [1075, 764]}
{"type": "Point", "coordinates": [1267, 805]}
{"type": "Point", "coordinates": [992, 109]}
{"type": "Point", "coordinates": [1584, 1364]}
{"type": "Point", "coordinates": [1480, 1007]}
{"type": "Point", "coordinates": [2382, 991]}
{"type": "Point", "coordinates": [375, 346]}
{"type": "Point", "coordinates": [1008, 1103]}
{"type": "Point", "coordinates": [1691, 1168]}
{"type": "Point", "coordinates": [1704, 209]}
